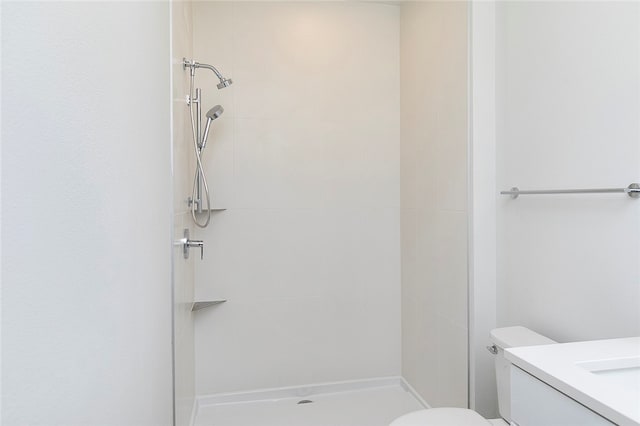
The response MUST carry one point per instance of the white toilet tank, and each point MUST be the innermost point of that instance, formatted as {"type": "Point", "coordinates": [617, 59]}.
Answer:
{"type": "Point", "coordinates": [511, 337]}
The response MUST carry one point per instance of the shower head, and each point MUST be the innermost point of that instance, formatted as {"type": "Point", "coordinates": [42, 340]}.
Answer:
{"type": "Point", "coordinates": [212, 114]}
{"type": "Point", "coordinates": [224, 82]}
{"type": "Point", "coordinates": [215, 112]}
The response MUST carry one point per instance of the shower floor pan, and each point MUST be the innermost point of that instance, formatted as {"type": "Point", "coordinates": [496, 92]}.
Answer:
{"type": "Point", "coordinates": [374, 402]}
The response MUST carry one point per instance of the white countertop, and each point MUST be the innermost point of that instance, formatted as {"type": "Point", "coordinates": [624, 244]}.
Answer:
{"type": "Point", "coordinates": [614, 394]}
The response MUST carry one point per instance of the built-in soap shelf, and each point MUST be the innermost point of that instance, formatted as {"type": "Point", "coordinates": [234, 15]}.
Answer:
{"type": "Point", "coordinates": [214, 210]}
{"type": "Point", "coordinates": [205, 304]}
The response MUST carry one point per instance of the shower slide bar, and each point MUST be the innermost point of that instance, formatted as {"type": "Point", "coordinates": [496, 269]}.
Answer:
{"type": "Point", "coordinates": [633, 191]}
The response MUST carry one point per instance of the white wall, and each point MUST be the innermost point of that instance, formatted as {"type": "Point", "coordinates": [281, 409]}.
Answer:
{"type": "Point", "coordinates": [483, 194]}
{"type": "Point", "coordinates": [1, 174]}
{"type": "Point", "coordinates": [183, 269]}
{"type": "Point", "coordinates": [86, 303]}
{"type": "Point", "coordinates": [434, 200]}
{"type": "Point", "coordinates": [569, 117]}
{"type": "Point", "coordinates": [306, 161]}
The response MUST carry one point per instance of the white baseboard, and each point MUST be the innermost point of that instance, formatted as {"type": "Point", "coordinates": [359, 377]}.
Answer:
{"type": "Point", "coordinates": [305, 391]}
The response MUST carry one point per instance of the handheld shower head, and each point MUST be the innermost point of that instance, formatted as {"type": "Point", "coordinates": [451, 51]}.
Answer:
{"type": "Point", "coordinates": [212, 114]}
{"type": "Point", "coordinates": [215, 112]}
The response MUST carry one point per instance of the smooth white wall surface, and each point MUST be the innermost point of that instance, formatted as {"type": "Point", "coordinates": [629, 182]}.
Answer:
{"type": "Point", "coordinates": [1, 173]}
{"type": "Point", "coordinates": [306, 161]}
{"type": "Point", "coordinates": [482, 217]}
{"type": "Point", "coordinates": [569, 117]}
{"type": "Point", "coordinates": [434, 200]}
{"type": "Point", "coordinates": [86, 303]}
{"type": "Point", "coordinates": [183, 158]}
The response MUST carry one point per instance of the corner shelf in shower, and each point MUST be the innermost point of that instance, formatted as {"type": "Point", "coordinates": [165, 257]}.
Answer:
{"type": "Point", "coordinates": [213, 210]}
{"type": "Point", "coordinates": [205, 304]}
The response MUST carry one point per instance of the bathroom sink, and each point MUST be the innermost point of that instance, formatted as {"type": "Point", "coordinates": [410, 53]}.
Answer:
{"type": "Point", "coordinates": [602, 375]}
{"type": "Point", "coordinates": [624, 372]}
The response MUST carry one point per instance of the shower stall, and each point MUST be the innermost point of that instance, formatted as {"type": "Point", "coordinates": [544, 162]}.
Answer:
{"type": "Point", "coordinates": [335, 233]}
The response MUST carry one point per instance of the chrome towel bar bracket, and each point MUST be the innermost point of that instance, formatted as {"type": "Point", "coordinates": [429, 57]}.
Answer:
{"type": "Point", "coordinates": [633, 191]}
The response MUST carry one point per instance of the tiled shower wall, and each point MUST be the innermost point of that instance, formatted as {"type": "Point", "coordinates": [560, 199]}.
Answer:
{"type": "Point", "coordinates": [434, 200]}
{"type": "Point", "coordinates": [306, 161]}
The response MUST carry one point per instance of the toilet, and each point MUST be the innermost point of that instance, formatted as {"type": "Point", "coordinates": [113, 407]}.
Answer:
{"type": "Point", "coordinates": [502, 338]}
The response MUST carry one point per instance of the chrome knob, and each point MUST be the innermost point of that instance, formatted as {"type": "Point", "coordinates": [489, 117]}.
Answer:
{"type": "Point", "coordinates": [493, 349]}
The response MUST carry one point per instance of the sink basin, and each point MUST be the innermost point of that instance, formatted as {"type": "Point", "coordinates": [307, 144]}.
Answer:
{"type": "Point", "coordinates": [624, 372]}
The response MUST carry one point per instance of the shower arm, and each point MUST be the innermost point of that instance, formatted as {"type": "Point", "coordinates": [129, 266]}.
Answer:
{"type": "Point", "coordinates": [193, 65]}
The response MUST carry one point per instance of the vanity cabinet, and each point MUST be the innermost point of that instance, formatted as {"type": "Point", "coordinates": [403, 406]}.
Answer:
{"type": "Point", "coordinates": [534, 403]}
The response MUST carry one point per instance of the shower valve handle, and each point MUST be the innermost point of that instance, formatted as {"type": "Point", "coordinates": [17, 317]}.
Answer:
{"type": "Point", "coordinates": [189, 243]}
{"type": "Point", "coordinates": [197, 243]}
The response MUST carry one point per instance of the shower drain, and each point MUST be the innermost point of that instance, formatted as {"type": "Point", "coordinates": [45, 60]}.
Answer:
{"type": "Point", "coordinates": [305, 401]}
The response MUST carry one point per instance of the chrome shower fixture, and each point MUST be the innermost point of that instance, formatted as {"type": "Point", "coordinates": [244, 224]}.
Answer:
{"type": "Point", "coordinates": [215, 112]}
{"type": "Point", "coordinates": [200, 187]}
{"type": "Point", "coordinates": [212, 114]}
{"type": "Point", "coordinates": [193, 65]}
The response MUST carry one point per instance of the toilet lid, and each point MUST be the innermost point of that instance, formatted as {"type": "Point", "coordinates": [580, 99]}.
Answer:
{"type": "Point", "coordinates": [441, 417]}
